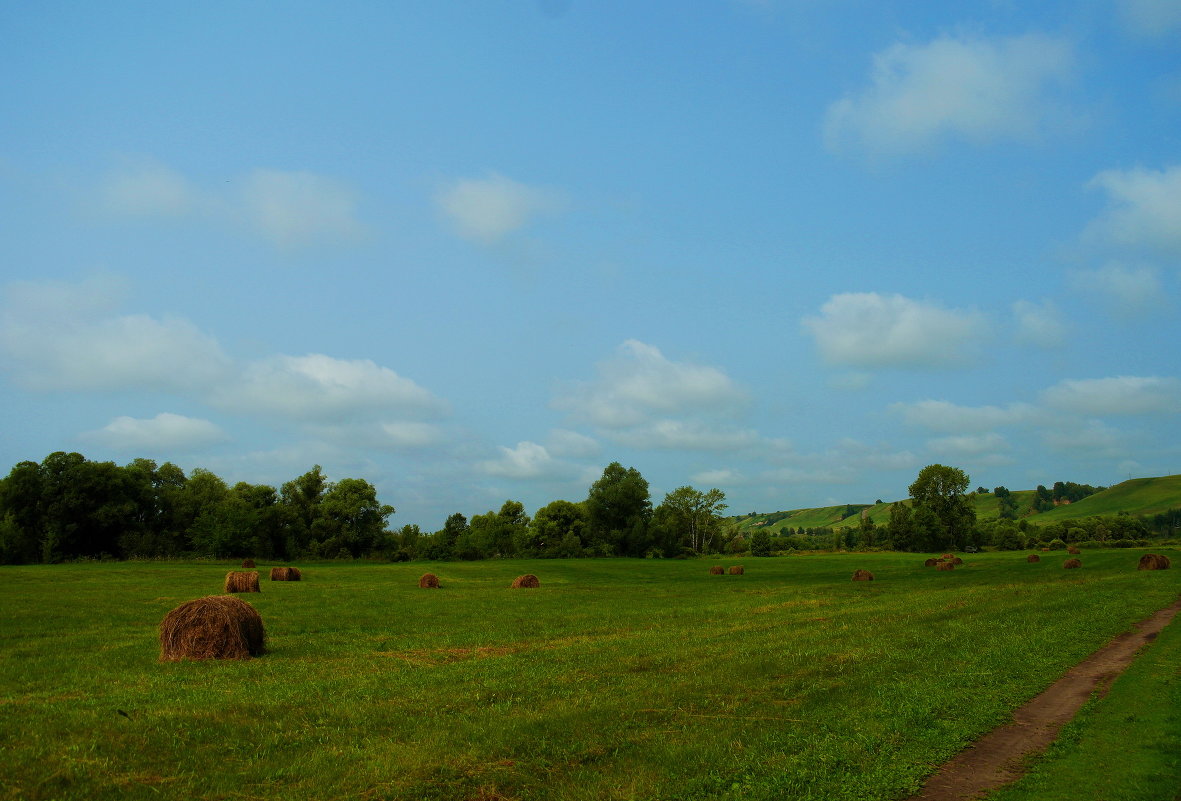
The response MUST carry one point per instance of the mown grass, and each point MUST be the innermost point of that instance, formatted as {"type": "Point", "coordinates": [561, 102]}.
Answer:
{"type": "Point", "coordinates": [616, 679]}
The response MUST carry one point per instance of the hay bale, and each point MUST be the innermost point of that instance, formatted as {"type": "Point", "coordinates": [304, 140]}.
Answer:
{"type": "Point", "coordinates": [1033, 557]}
{"type": "Point", "coordinates": [945, 566]}
{"type": "Point", "coordinates": [1073, 550]}
{"type": "Point", "coordinates": [285, 574]}
{"type": "Point", "coordinates": [717, 570]}
{"type": "Point", "coordinates": [248, 563]}
{"type": "Point", "coordinates": [1153, 561]}
{"type": "Point", "coordinates": [948, 556]}
{"type": "Point", "coordinates": [242, 581]}
{"type": "Point", "coordinates": [737, 570]}
{"type": "Point", "coordinates": [862, 575]}
{"type": "Point", "coordinates": [429, 581]}
{"type": "Point", "coordinates": [215, 627]}
{"type": "Point", "coordinates": [955, 560]}
{"type": "Point", "coordinates": [931, 562]}
{"type": "Point", "coordinates": [528, 581]}
{"type": "Point", "coordinates": [1071, 564]}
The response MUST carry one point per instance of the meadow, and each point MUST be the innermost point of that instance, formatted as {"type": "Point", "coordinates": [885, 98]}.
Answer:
{"type": "Point", "coordinates": [616, 679]}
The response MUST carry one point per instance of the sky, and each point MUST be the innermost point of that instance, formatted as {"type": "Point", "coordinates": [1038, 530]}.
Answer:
{"type": "Point", "coordinates": [477, 251]}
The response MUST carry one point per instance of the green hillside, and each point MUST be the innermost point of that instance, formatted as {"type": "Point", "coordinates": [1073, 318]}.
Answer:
{"type": "Point", "coordinates": [1137, 496]}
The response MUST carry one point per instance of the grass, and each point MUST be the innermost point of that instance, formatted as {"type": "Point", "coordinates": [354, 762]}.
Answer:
{"type": "Point", "coordinates": [617, 679]}
{"type": "Point", "coordinates": [1137, 496]}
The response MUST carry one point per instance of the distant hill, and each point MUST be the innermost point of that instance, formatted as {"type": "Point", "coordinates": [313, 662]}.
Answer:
{"type": "Point", "coordinates": [1137, 496]}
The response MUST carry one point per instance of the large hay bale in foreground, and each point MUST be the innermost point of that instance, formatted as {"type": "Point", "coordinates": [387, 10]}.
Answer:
{"type": "Point", "coordinates": [1033, 557]}
{"type": "Point", "coordinates": [862, 575]}
{"type": "Point", "coordinates": [285, 574]}
{"type": "Point", "coordinates": [527, 581]}
{"type": "Point", "coordinates": [429, 581]}
{"type": "Point", "coordinates": [242, 581]}
{"type": "Point", "coordinates": [737, 570]}
{"type": "Point", "coordinates": [215, 627]}
{"type": "Point", "coordinates": [931, 562]}
{"type": "Point", "coordinates": [945, 566]}
{"type": "Point", "coordinates": [248, 563]}
{"type": "Point", "coordinates": [1071, 564]}
{"type": "Point", "coordinates": [717, 570]}
{"type": "Point", "coordinates": [1153, 561]}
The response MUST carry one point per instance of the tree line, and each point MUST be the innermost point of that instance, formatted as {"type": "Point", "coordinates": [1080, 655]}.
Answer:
{"type": "Point", "coordinates": [69, 507]}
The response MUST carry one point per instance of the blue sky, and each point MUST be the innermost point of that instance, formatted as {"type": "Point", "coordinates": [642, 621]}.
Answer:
{"type": "Point", "coordinates": [473, 251]}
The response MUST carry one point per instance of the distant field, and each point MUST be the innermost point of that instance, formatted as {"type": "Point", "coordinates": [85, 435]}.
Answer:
{"type": "Point", "coordinates": [617, 679]}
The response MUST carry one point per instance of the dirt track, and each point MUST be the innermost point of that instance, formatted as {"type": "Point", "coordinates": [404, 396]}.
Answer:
{"type": "Point", "coordinates": [996, 758]}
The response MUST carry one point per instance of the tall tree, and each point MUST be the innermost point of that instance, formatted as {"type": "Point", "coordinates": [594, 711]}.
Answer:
{"type": "Point", "coordinates": [696, 515]}
{"type": "Point", "coordinates": [941, 490]}
{"type": "Point", "coordinates": [618, 509]}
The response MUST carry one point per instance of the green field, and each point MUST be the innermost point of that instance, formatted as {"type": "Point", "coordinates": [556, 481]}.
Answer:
{"type": "Point", "coordinates": [617, 679]}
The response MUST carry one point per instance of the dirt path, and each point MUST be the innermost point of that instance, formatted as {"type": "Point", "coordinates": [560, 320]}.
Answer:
{"type": "Point", "coordinates": [996, 758]}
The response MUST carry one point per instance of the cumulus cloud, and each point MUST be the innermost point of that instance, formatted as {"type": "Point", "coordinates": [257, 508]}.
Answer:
{"type": "Point", "coordinates": [290, 209]}
{"type": "Point", "coordinates": [1128, 290]}
{"type": "Point", "coordinates": [937, 415]}
{"type": "Point", "coordinates": [571, 445]}
{"type": "Point", "coordinates": [487, 210]}
{"type": "Point", "coordinates": [973, 88]}
{"type": "Point", "coordinates": [316, 387]}
{"type": "Point", "coordinates": [718, 478]}
{"type": "Point", "coordinates": [1038, 324]}
{"type": "Point", "coordinates": [527, 460]}
{"type": "Point", "coordinates": [57, 336]}
{"type": "Point", "coordinates": [1144, 211]}
{"type": "Point", "coordinates": [685, 435]}
{"type": "Point", "coordinates": [639, 383]}
{"type": "Point", "coordinates": [164, 432]}
{"type": "Point", "coordinates": [1150, 17]}
{"type": "Point", "coordinates": [867, 329]}
{"type": "Point", "coordinates": [969, 445]}
{"type": "Point", "coordinates": [1120, 395]}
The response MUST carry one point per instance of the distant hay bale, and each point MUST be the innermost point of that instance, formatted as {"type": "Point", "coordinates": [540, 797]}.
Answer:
{"type": "Point", "coordinates": [717, 570]}
{"type": "Point", "coordinates": [945, 566]}
{"type": "Point", "coordinates": [1073, 550]}
{"type": "Point", "coordinates": [215, 627]}
{"type": "Point", "coordinates": [285, 574]}
{"type": "Point", "coordinates": [862, 575]}
{"type": "Point", "coordinates": [737, 570]}
{"type": "Point", "coordinates": [528, 581]}
{"type": "Point", "coordinates": [1071, 564]}
{"type": "Point", "coordinates": [955, 560]}
{"type": "Point", "coordinates": [1033, 557]}
{"type": "Point", "coordinates": [931, 562]}
{"type": "Point", "coordinates": [1153, 561]}
{"type": "Point", "coordinates": [948, 556]}
{"type": "Point", "coordinates": [1045, 550]}
{"type": "Point", "coordinates": [429, 581]}
{"type": "Point", "coordinates": [242, 581]}
{"type": "Point", "coordinates": [248, 563]}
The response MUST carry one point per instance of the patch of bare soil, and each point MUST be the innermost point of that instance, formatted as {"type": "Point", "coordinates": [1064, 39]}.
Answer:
{"type": "Point", "coordinates": [998, 757]}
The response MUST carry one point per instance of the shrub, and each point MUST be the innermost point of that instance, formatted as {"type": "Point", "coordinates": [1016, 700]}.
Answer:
{"type": "Point", "coordinates": [1056, 544]}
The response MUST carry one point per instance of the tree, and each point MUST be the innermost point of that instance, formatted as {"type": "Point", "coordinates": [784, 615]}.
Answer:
{"type": "Point", "coordinates": [557, 527]}
{"type": "Point", "coordinates": [696, 514]}
{"type": "Point", "coordinates": [940, 490]}
{"type": "Point", "coordinates": [350, 518]}
{"type": "Point", "coordinates": [900, 528]}
{"type": "Point", "coordinates": [618, 509]}
{"type": "Point", "coordinates": [760, 543]}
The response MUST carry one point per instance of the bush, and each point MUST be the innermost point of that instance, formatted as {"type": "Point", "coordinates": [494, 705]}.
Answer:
{"type": "Point", "coordinates": [1056, 545]}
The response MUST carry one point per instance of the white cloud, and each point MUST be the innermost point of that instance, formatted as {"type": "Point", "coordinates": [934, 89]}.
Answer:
{"type": "Point", "coordinates": [1128, 290]}
{"type": "Point", "coordinates": [146, 189]}
{"type": "Point", "coordinates": [1150, 17]}
{"type": "Point", "coordinates": [486, 210]}
{"type": "Point", "coordinates": [950, 417]}
{"type": "Point", "coordinates": [1038, 324]}
{"type": "Point", "coordinates": [975, 88]}
{"type": "Point", "coordinates": [1120, 395]}
{"type": "Point", "coordinates": [1144, 209]}
{"type": "Point", "coordinates": [685, 435]}
{"type": "Point", "coordinates": [319, 387]}
{"type": "Point", "coordinates": [974, 445]}
{"type": "Point", "coordinates": [866, 329]}
{"type": "Point", "coordinates": [299, 208]}
{"type": "Point", "coordinates": [718, 478]}
{"type": "Point", "coordinates": [639, 383]}
{"type": "Point", "coordinates": [1091, 438]}
{"type": "Point", "coordinates": [571, 444]}
{"type": "Point", "coordinates": [162, 433]}
{"type": "Point", "coordinates": [409, 434]}
{"type": "Point", "coordinates": [527, 460]}
{"type": "Point", "coordinates": [57, 336]}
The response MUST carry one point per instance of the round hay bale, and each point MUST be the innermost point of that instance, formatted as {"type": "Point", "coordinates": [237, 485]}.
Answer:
{"type": "Point", "coordinates": [955, 560]}
{"type": "Point", "coordinates": [1033, 557]}
{"type": "Point", "coordinates": [1073, 550]}
{"type": "Point", "coordinates": [429, 581]}
{"type": "Point", "coordinates": [1153, 561]}
{"type": "Point", "coordinates": [248, 563]}
{"type": "Point", "coordinates": [528, 581]}
{"type": "Point", "coordinates": [717, 570]}
{"type": "Point", "coordinates": [945, 566]}
{"type": "Point", "coordinates": [737, 570]}
{"type": "Point", "coordinates": [242, 581]}
{"type": "Point", "coordinates": [1045, 550]}
{"type": "Point", "coordinates": [931, 562]}
{"type": "Point", "coordinates": [1071, 564]}
{"type": "Point", "coordinates": [948, 556]}
{"type": "Point", "coordinates": [215, 627]}
{"type": "Point", "coordinates": [285, 574]}
{"type": "Point", "coordinates": [862, 575]}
